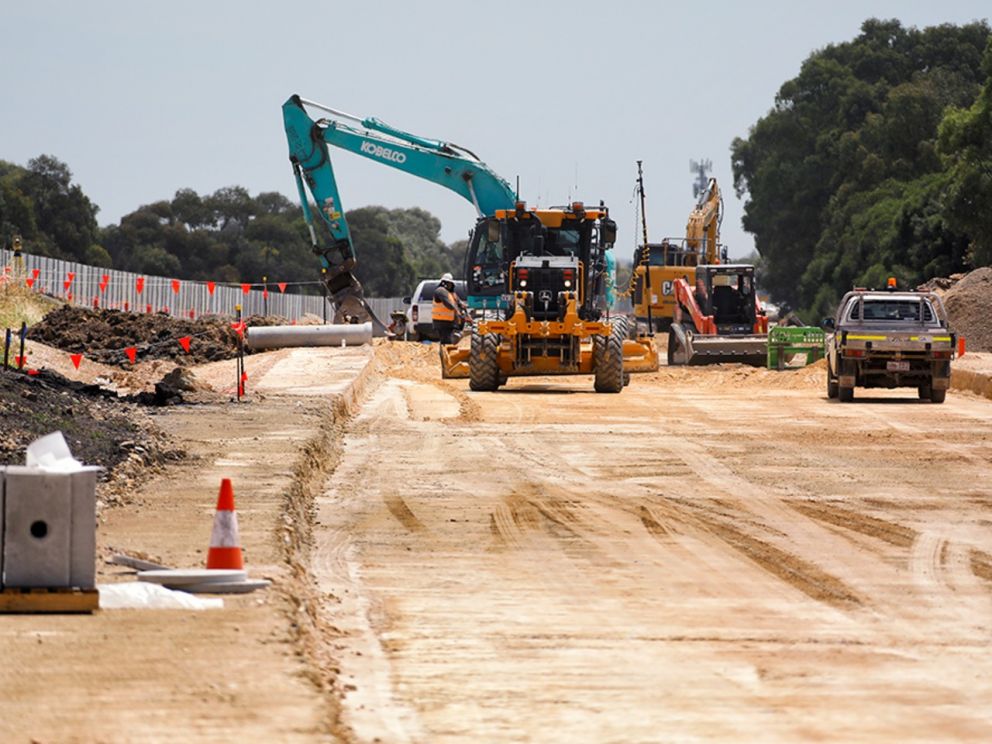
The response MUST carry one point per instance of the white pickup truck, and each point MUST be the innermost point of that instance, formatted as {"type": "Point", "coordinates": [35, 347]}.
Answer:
{"type": "Point", "coordinates": [889, 339]}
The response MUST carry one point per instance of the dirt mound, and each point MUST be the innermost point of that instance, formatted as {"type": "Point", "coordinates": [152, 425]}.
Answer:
{"type": "Point", "coordinates": [99, 428]}
{"type": "Point", "coordinates": [103, 335]}
{"type": "Point", "coordinates": [969, 308]}
{"type": "Point", "coordinates": [940, 284]}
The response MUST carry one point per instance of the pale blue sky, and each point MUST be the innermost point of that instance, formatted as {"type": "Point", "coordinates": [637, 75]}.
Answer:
{"type": "Point", "coordinates": [141, 99]}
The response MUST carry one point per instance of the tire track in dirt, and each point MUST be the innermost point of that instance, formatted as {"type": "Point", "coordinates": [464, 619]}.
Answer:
{"type": "Point", "coordinates": [715, 521]}
{"type": "Point", "coordinates": [372, 710]}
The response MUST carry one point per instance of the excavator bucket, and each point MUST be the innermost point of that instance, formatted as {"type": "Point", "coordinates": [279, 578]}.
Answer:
{"type": "Point", "coordinates": [350, 307]}
{"type": "Point", "coordinates": [752, 350]}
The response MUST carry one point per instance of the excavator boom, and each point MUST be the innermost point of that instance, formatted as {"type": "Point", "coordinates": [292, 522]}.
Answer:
{"type": "Point", "coordinates": [456, 168]}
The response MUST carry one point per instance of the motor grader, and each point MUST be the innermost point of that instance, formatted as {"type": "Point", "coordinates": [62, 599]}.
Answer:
{"type": "Point", "coordinates": [537, 279]}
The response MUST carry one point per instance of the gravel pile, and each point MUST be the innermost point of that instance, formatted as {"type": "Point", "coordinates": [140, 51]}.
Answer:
{"type": "Point", "coordinates": [969, 307]}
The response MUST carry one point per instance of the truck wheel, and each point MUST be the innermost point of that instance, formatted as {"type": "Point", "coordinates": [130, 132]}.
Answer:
{"type": "Point", "coordinates": [483, 369]}
{"type": "Point", "coordinates": [845, 394]}
{"type": "Point", "coordinates": [937, 396]}
{"type": "Point", "coordinates": [924, 392]}
{"type": "Point", "coordinates": [608, 360]}
{"type": "Point", "coordinates": [832, 386]}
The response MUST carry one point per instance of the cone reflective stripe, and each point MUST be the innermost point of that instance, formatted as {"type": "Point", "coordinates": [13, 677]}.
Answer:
{"type": "Point", "coordinates": [225, 544]}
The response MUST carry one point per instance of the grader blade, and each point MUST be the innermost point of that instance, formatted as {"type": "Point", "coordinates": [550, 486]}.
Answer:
{"type": "Point", "coordinates": [454, 361]}
{"type": "Point", "coordinates": [640, 355]}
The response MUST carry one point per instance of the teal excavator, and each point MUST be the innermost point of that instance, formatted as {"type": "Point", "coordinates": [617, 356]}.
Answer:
{"type": "Point", "coordinates": [456, 168]}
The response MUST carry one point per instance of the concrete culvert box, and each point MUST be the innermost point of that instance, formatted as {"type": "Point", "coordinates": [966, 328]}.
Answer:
{"type": "Point", "coordinates": [48, 528]}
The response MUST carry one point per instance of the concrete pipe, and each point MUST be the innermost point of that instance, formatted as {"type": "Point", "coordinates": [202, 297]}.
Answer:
{"type": "Point", "coordinates": [277, 337]}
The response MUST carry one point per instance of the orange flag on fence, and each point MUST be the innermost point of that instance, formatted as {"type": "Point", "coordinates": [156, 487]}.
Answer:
{"type": "Point", "coordinates": [245, 288]}
{"type": "Point", "coordinates": [66, 284]}
{"type": "Point", "coordinates": [282, 286]}
{"type": "Point", "coordinates": [139, 285]}
{"type": "Point", "coordinates": [210, 287]}
{"type": "Point", "coordinates": [35, 273]}
{"type": "Point", "coordinates": [184, 342]}
{"type": "Point", "coordinates": [71, 276]}
{"type": "Point", "coordinates": [175, 286]}
{"type": "Point", "coordinates": [29, 281]}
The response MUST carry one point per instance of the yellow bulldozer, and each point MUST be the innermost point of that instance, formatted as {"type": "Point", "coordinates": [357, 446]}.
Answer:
{"type": "Point", "coordinates": [537, 282]}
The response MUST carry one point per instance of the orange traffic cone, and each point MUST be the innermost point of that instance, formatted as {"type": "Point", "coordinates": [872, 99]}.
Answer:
{"type": "Point", "coordinates": [225, 545]}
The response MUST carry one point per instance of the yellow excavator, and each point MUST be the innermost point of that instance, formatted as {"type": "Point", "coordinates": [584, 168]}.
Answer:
{"type": "Point", "coordinates": [657, 266]}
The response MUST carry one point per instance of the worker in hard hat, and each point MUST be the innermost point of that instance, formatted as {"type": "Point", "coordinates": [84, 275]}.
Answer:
{"type": "Point", "coordinates": [449, 311]}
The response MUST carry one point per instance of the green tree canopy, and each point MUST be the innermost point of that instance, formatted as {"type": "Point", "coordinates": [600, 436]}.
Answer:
{"type": "Point", "coordinates": [966, 143]}
{"type": "Point", "coordinates": [227, 236]}
{"type": "Point", "coordinates": [843, 177]}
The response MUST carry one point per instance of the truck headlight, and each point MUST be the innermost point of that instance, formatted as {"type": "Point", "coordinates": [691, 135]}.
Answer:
{"type": "Point", "coordinates": [523, 282]}
{"type": "Point", "coordinates": [568, 283]}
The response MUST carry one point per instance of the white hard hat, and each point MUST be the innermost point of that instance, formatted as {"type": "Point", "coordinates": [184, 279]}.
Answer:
{"type": "Point", "coordinates": [447, 277]}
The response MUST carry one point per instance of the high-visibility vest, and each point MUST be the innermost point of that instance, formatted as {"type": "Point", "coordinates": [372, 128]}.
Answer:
{"type": "Point", "coordinates": [442, 312]}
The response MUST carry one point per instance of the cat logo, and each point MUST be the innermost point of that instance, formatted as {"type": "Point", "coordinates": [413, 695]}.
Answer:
{"type": "Point", "coordinates": [544, 296]}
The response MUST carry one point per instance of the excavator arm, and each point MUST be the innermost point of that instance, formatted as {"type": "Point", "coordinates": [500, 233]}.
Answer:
{"type": "Point", "coordinates": [443, 163]}
{"type": "Point", "coordinates": [703, 227]}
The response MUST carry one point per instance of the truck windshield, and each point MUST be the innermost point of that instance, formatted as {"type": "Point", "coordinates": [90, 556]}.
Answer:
{"type": "Point", "coordinates": [889, 310]}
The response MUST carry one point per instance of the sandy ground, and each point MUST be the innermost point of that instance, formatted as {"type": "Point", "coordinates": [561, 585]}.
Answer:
{"type": "Point", "coordinates": [236, 674]}
{"type": "Point", "coordinates": [714, 554]}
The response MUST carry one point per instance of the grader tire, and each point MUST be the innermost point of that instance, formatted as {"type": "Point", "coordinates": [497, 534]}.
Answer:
{"type": "Point", "coordinates": [483, 369]}
{"type": "Point", "coordinates": [608, 355]}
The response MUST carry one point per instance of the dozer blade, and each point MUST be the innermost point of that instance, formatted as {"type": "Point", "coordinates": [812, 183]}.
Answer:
{"type": "Point", "coordinates": [454, 361]}
{"type": "Point", "coordinates": [640, 355]}
{"type": "Point", "coordinates": [751, 350]}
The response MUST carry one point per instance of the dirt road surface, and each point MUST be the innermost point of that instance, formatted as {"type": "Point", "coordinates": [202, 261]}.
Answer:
{"type": "Point", "coordinates": [714, 554]}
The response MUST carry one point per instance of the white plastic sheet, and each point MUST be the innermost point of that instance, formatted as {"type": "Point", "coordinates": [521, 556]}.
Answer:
{"type": "Point", "coordinates": [140, 595]}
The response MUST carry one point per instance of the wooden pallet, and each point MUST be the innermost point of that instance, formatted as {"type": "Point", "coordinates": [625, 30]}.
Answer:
{"type": "Point", "coordinates": [49, 600]}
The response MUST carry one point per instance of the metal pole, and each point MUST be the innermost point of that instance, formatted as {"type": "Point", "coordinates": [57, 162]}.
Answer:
{"type": "Point", "coordinates": [323, 284]}
{"type": "Point", "coordinates": [6, 350]}
{"type": "Point", "coordinates": [644, 248]}
{"type": "Point", "coordinates": [24, 333]}
{"type": "Point", "coordinates": [241, 351]}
